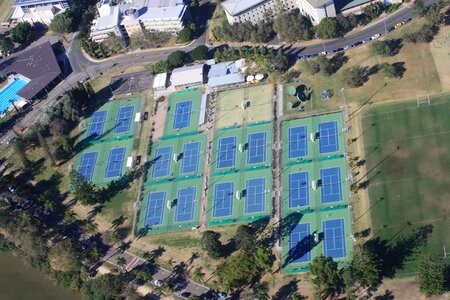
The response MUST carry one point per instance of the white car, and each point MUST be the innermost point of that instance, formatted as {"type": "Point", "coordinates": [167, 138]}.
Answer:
{"type": "Point", "coordinates": [323, 53]}
{"type": "Point", "coordinates": [157, 283]}
{"type": "Point", "coordinates": [375, 36]}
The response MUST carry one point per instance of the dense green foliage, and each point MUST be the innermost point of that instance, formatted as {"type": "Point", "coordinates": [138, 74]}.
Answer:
{"type": "Point", "coordinates": [354, 76]}
{"type": "Point", "coordinates": [84, 190]}
{"type": "Point", "coordinates": [21, 33]}
{"type": "Point", "coordinates": [62, 23]}
{"type": "Point", "coordinates": [431, 275]}
{"type": "Point", "coordinates": [210, 243]}
{"type": "Point", "coordinates": [6, 45]}
{"type": "Point", "coordinates": [382, 48]}
{"type": "Point", "coordinates": [199, 53]}
{"type": "Point", "coordinates": [185, 35]}
{"type": "Point", "coordinates": [177, 59]}
{"type": "Point", "coordinates": [245, 32]}
{"type": "Point", "coordinates": [293, 26]}
{"type": "Point", "coordinates": [326, 275]}
{"type": "Point", "coordinates": [104, 287]}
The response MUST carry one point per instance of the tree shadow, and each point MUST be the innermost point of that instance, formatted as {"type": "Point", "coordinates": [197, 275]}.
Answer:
{"type": "Point", "coordinates": [395, 45]}
{"type": "Point", "coordinates": [399, 68]}
{"type": "Point", "coordinates": [286, 291]}
{"type": "Point", "coordinates": [337, 61]}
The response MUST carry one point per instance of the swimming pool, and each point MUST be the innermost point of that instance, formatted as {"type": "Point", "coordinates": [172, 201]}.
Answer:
{"type": "Point", "coordinates": [9, 93]}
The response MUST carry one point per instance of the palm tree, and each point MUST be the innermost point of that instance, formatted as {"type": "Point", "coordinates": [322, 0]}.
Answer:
{"type": "Point", "coordinates": [116, 237]}
{"type": "Point", "coordinates": [91, 227]}
{"type": "Point", "coordinates": [198, 274]}
{"type": "Point", "coordinates": [95, 254]}
{"type": "Point", "coordinates": [120, 262]}
{"type": "Point", "coordinates": [15, 107]}
{"type": "Point", "coordinates": [70, 216]}
{"type": "Point", "coordinates": [261, 293]}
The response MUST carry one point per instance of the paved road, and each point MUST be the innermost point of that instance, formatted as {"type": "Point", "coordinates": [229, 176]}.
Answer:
{"type": "Point", "coordinates": [132, 261]}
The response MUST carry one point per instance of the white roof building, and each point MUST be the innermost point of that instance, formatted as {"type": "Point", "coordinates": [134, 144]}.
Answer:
{"type": "Point", "coordinates": [186, 77]}
{"type": "Point", "coordinates": [38, 11]}
{"type": "Point", "coordinates": [226, 73]}
{"type": "Point", "coordinates": [160, 81]}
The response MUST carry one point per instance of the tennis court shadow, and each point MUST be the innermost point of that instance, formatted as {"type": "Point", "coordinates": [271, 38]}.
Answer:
{"type": "Point", "coordinates": [288, 222]}
{"type": "Point", "coordinates": [302, 247]}
{"type": "Point", "coordinates": [115, 186]}
{"type": "Point", "coordinates": [395, 251]}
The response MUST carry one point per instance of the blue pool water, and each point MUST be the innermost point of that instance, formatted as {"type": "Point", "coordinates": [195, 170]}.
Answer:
{"type": "Point", "coordinates": [9, 93]}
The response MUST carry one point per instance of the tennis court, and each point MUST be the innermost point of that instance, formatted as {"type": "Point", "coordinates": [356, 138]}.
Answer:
{"type": "Point", "coordinates": [255, 191]}
{"type": "Point", "coordinates": [124, 118]}
{"type": "Point", "coordinates": [185, 203]}
{"type": "Point", "coordinates": [300, 243]}
{"type": "Point", "coordinates": [328, 137]}
{"type": "Point", "coordinates": [97, 123]}
{"type": "Point", "coordinates": [183, 112]}
{"type": "Point", "coordinates": [298, 189]}
{"type": "Point", "coordinates": [227, 152]}
{"type": "Point", "coordinates": [298, 141]}
{"type": "Point", "coordinates": [115, 162]}
{"type": "Point", "coordinates": [256, 148]}
{"type": "Point", "coordinates": [223, 199]}
{"type": "Point", "coordinates": [161, 162]}
{"type": "Point", "coordinates": [331, 185]}
{"type": "Point", "coordinates": [182, 116]}
{"type": "Point", "coordinates": [155, 208]}
{"type": "Point", "coordinates": [334, 238]}
{"type": "Point", "coordinates": [191, 158]}
{"type": "Point", "coordinates": [87, 164]}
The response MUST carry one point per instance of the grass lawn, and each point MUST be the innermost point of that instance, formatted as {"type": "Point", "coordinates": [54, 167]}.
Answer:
{"type": "Point", "coordinates": [407, 165]}
{"type": "Point", "coordinates": [5, 9]}
{"type": "Point", "coordinates": [420, 77]}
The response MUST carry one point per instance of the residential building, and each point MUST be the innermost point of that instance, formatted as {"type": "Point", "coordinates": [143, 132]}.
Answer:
{"type": "Point", "coordinates": [131, 17]}
{"type": "Point", "coordinates": [187, 77]}
{"type": "Point", "coordinates": [38, 65]}
{"type": "Point", "coordinates": [38, 12]}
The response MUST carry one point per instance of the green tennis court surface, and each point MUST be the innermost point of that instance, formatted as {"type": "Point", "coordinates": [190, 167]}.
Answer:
{"type": "Point", "coordinates": [244, 196]}
{"type": "Point", "coordinates": [170, 206]}
{"type": "Point", "coordinates": [182, 157]}
{"type": "Point", "coordinates": [242, 148]}
{"type": "Point", "coordinates": [112, 120]}
{"type": "Point", "coordinates": [409, 148]}
{"type": "Point", "coordinates": [315, 197]}
{"type": "Point", "coordinates": [183, 112]}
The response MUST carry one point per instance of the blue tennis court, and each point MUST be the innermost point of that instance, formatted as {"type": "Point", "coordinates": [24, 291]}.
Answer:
{"type": "Point", "coordinates": [97, 123]}
{"type": "Point", "coordinates": [300, 243]}
{"type": "Point", "coordinates": [185, 204]}
{"type": "Point", "coordinates": [155, 208]}
{"type": "Point", "coordinates": [161, 162]}
{"type": "Point", "coordinates": [298, 189]}
{"type": "Point", "coordinates": [255, 195]}
{"type": "Point", "coordinates": [227, 152]}
{"type": "Point", "coordinates": [331, 185]}
{"type": "Point", "coordinates": [223, 199]}
{"type": "Point", "coordinates": [191, 157]}
{"type": "Point", "coordinates": [298, 141]}
{"type": "Point", "coordinates": [115, 162]}
{"type": "Point", "coordinates": [87, 164]}
{"type": "Point", "coordinates": [256, 148]}
{"type": "Point", "coordinates": [328, 137]}
{"type": "Point", "coordinates": [182, 115]}
{"type": "Point", "coordinates": [124, 118]}
{"type": "Point", "coordinates": [334, 238]}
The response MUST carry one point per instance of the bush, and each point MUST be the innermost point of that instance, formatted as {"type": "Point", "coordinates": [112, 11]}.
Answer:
{"type": "Point", "coordinates": [200, 53]}
{"type": "Point", "coordinates": [177, 59]}
{"type": "Point", "coordinates": [382, 48]}
{"type": "Point", "coordinates": [354, 76]}
{"type": "Point", "coordinates": [211, 244]}
{"type": "Point", "coordinates": [292, 26]}
{"type": "Point", "coordinates": [161, 66]}
{"type": "Point", "coordinates": [21, 33]}
{"type": "Point", "coordinates": [392, 8]}
{"type": "Point", "coordinates": [311, 67]}
{"type": "Point", "coordinates": [185, 35]}
{"type": "Point", "coordinates": [389, 71]}
{"type": "Point", "coordinates": [327, 29]}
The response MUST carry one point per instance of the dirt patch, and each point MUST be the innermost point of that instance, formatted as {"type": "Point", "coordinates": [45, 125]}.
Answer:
{"type": "Point", "coordinates": [402, 289]}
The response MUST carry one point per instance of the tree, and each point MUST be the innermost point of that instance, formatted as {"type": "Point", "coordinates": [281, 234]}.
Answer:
{"type": "Point", "coordinates": [44, 145]}
{"type": "Point", "coordinates": [200, 53]}
{"type": "Point", "coordinates": [263, 258]}
{"type": "Point", "coordinates": [177, 59]}
{"type": "Point", "coordinates": [6, 45]}
{"type": "Point", "coordinates": [59, 127]}
{"type": "Point", "coordinates": [121, 262]}
{"type": "Point", "coordinates": [325, 65]}
{"type": "Point", "coordinates": [327, 29]}
{"type": "Point", "coordinates": [237, 271]}
{"type": "Point", "coordinates": [211, 243]}
{"type": "Point", "coordinates": [83, 190]}
{"type": "Point", "coordinates": [326, 275]}
{"type": "Point", "coordinates": [161, 66]}
{"type": "Point", "coordinates": [64, 257]}
{"type": "Point", "coordinates": [70, 216]}
{"type": "Point", "coordinates": [419, 9]}
{"type": "Point", "coordinates": [62, 23]}
{"type": "Point", "coordinates": [373, 10]}
{"type": "Point", "coordinates": [311, 67]}
{"type": "Point", "coordinates": [293, 26]}
{"type": "Point", "coordinates": [431, 275]}
{"type": "Point", "coordinates": [71, 111]}
{"type": "Point", "coordinates": [389, 70]}
{"type": "Point", "coordinates": [382, 48]}
{"type": "Point", "coordinates": [354, 76]}
{"type": "Point", "coordinates": [103, 287]}
{"type": "Point", "coordinates": [244, 238]}
{"type": "Point", "coordinates": [198, 274]}
{"type": "Point", "coordinates": [19, 149]}
{"type": "Point", "coordinates": [185, 35]}
{"type": "Point", "coordinates": [91, 227]}
{"type": "Point", "coordinates": [434, 15]}
{"type": "Point", "coordinates": [21, 33]}
{"type": "Point", "coordinates": [366, 266]}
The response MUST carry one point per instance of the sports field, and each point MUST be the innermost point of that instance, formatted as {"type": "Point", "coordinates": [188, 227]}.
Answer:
{"type": "Point", "coordinates": [243, 196]}
{"type": "Point", "coordinates": [229, 111]}
{"type": "Point", "coordinates": [182, 157]}
{"type": "Point", "coordinates": [407, 152]}
{"type": "Point", "coordinates": [183, 112]}
{"type": "Point", "coordinates": [113, 119]}
{"type": "Point", "coordinates": [242, 148]}
{"type": "Point", "coordinates": [170, 206]}
{"type": "Point", "coordinates": [315, 197]}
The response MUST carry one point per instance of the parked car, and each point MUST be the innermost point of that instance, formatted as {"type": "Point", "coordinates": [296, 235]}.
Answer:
{"type": "Point", "coordinates": [157, 283]}
{"type": "Point", "coordinates": [85, 79]}
{"type": "Point", "coordinates": [397, 25]}
{"type": "Point", "coordinates": [222, 295]}
{"type": "Point", "coordinates": [375, 36]}
{"type": "Point", "coordinates": [365, 41]}
{"type": "Point", "coordinates": [146, 115]}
